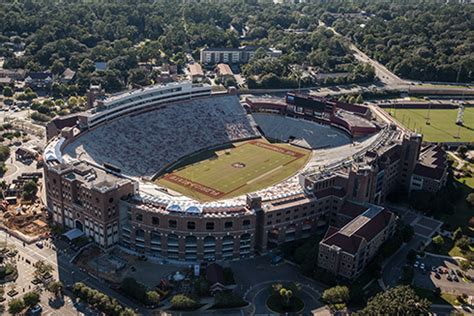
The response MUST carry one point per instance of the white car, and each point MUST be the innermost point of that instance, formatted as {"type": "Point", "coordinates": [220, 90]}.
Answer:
{"type": "Point", "coordinates": [422, 266]}
{"type": "Point", "coordinates": [416, 264]}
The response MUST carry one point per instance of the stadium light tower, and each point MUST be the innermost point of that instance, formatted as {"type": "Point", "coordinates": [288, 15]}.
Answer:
{"type": "Point", "coordinates": [459, 120]}
{"type": "Point", "coordinates": [428, 114]}
{"type": "Point", "coordinates": [460, 116]}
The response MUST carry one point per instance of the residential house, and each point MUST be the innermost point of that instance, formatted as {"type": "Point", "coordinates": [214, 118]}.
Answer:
{"type": "Point", "coordinates": [195, 72]}
{"type": "Point", "coordinates": [224, 72]}
{"type": "Point", "coordinates": [39, 80]}
{"type": "Point", "coordinates": [67, 76]}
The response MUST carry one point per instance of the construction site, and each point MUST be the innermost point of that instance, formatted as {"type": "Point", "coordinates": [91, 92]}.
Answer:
{"type": "Point", "coordinates": [22, 212]}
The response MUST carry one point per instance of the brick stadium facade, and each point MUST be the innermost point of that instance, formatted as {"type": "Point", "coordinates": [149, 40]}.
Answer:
{"type": "Point", "coordinates": [114, 211]}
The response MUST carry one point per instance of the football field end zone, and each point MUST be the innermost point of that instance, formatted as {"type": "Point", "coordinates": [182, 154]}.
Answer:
{"type": "Point", "coordinates": [201, 188]}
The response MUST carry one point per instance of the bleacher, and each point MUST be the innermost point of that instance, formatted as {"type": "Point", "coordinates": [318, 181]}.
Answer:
{"type": "Point", "coordinates": [300, 132]}
{"type": "Point", "coordinates": [143, 144]}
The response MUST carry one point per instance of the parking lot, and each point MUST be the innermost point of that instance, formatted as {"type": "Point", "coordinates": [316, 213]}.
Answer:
{"type": "Point", "coordinates": [448, 276]}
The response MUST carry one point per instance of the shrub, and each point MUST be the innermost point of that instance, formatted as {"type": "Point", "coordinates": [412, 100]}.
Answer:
{"type": "Point", "coordinates": [182, 302]}
{"type": "Point", "coordinates": [228, 299]}
{"type": "Point", "coordinates": [31, 298]}
{"type": "Point", "coordinates": [336, 295]}
{"type": "Point", "coordinates": [438, 241]}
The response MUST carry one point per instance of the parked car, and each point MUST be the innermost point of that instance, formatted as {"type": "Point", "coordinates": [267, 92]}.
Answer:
{"type": "Point", "coordinates": [277, 259]}
{"type": "Point", "coordinates": [434, 269]}
{"type": "Point", "coordinates": [417, 263]}
{"type": "Point", "coordinates": [39, 244]}
{"type": "Point", "coordinates": [422, 266]}
{"type": "Point", "coordinates": [35, 310]}
{"type": "Point", "coordinates": [437, 275]}
{"type": "Point", "coordinates": [449, 278]}
{"type": "Point", "coordinates": [455, 278]}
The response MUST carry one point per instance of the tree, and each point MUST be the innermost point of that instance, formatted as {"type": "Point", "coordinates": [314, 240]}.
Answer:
{"type": "Point", "coordinates": [29, 190]}
{"type": "Point", "coordinates": [438, 241]}
{"type": "Point", "coordinates": [400, 300]}
{"type": "Point", "coordinates": [359, 99]}
{"type": "Point", "coordinates": [56, 287]}
{"type": "Point", "coordinates": [7, 92]}
{"type": "Point", "coordinates": [465, 264]}
{"type": "Point", "coordinates": [463, 243]}
{"type": "Point", "coordinates": [72, 101]}
{"type": "Point", "coordinates": [470, 199]}
{"type": "Point", "coordinates": [153, 297]}
{"type": "Point", "coordinates": [57, 67]}
{"type": "Point", "coordinates": [16, 306]}
{"type": "Point", "coordinates": [42, 268]}
{"type": "Point", "coordinates": [286, 295]}
{"type": "Point", "coordinates": [182, 302]}
{"type": "Point", "coordinates": [336, 295]}
{"type": "Point", "coordinates": [32, 298]}
{"type": "Point", "coordinates": [4, 153]}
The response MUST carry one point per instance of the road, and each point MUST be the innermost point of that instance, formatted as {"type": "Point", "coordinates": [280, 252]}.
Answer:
{"type": "Point", "coordinates": [384, 75]}
{"type": "Point", "coordinates": [64, 271]}
{"type": "Point", "coordinates": [255, 277]}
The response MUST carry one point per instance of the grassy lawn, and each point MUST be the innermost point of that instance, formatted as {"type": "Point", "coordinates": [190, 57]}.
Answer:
{"type": "Point", "coordinates": [442, 126]}
{"type": "Point", "coordinates": [462, 210]}
{"type": "Point", "coordinates": [245, 167]}
{"type": "Point", "coordinates": [448, 249]}
{"type": "Point", "coordinates": [444, 298]}
{"type": "Point", "coordinates": [450, 299]}
{"type": "Point", "coordinates": [456, 251]}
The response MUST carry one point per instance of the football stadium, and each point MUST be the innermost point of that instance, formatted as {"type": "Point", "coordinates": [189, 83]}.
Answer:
{"type": "Point", "coordinates": [174, 171]}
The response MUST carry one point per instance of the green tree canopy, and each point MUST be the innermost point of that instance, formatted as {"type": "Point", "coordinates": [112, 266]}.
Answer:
{"type": "Point", "coordinates": [336, 295]}
{"type": "Point", "coordinates": [16, 306]}
{"type": "Point", "coordinates": [182, 302]}
{"type": "Point", "coordinates": [31, 298]}
{"type": "Point", "coordinates": [7, 92]}
{"type": "Point", "coordinates": [400, 300]}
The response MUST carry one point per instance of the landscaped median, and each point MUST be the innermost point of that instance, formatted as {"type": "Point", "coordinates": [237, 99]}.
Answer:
{"type": "Point", "coordinates": [285, 299]}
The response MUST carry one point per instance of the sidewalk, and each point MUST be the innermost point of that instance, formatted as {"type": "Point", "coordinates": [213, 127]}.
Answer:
{"type": "Point", "coordinates": [443, 256]}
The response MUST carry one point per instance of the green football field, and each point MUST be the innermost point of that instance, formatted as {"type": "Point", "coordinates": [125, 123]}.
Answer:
{"type": "Point", "coordinates": [243, 168]}
{"type": "Point", "coordinates": [442, 127]}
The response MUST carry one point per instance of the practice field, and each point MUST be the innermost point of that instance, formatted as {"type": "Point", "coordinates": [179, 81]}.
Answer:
{"type": "Point", "coordinates": [245, 167]}
{"type": "Point", "coordinates": [442, 127]}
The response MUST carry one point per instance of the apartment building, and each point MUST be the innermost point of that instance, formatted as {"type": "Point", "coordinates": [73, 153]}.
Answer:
{"type": "Point", "coordinates": [233, 55]}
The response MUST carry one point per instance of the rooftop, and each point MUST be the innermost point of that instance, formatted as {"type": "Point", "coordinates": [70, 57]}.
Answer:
{"type": "Point", "coordinates": [432, 162]}
{"type": "Point", "coordinates": [195, 69]}
{"type": "Point", "coordinates": [364, 227]}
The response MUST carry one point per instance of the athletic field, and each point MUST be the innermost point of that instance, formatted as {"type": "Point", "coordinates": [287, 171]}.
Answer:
{"type": "Point", "coordinates": [442, 127]}
{"type": "Point", "coordinates": [243, 168]}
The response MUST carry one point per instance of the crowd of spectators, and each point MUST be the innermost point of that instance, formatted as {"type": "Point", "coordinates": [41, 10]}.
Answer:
{"type": "Point", "coordinates": [143, 144]}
